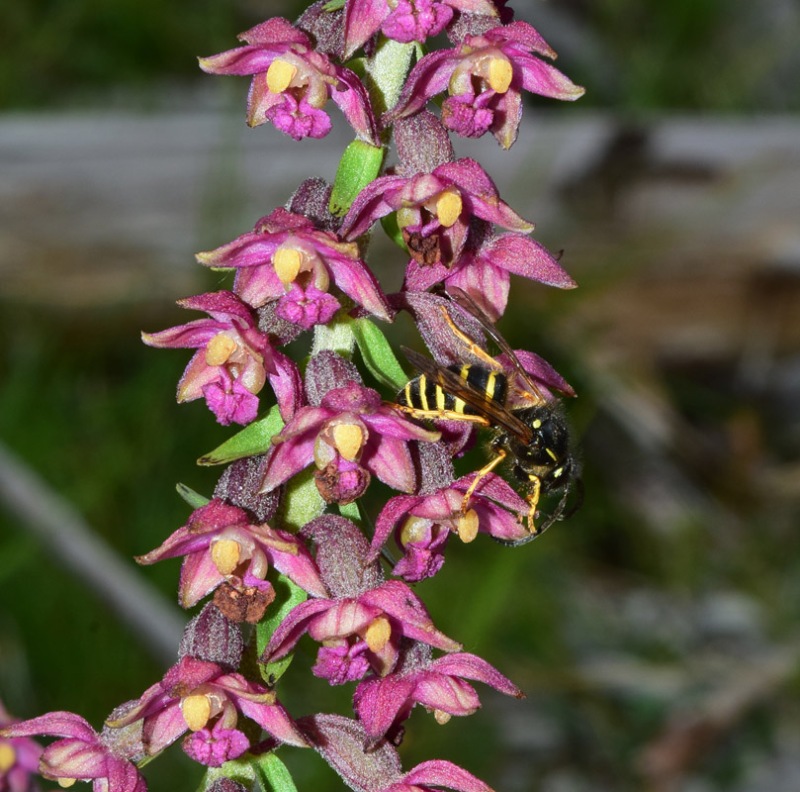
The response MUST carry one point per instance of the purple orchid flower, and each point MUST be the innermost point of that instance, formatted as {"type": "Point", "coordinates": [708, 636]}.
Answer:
{"type": "Point", "coordinates": [82, 754]}
{"type": "Point", "coordinates": [292, 83]}
{"type": "Point", "coordinates": [197, 696]}
{"type": "Point", "coordinates": [363, 621]}
{"type": "Point", "coordinates": [341, 741]}
{"type": "Point", "coordinates": [358, 633]}
{"type": "Point", "coordinates": [220, 543]}
{"type": "Point", "coordinates": [286, 258]}
{"type": "Point", "coordinates": [404, 20]}
{"type": "Point", "coordinates": [233, 360]}
{"type": "Point", "coordinates": [423, 523]}
{"type": "Point", "coordinates": [19, 759]}
{"type": "Point", "coordinates": [349, 436]}
{"type": "Point", "coordinates": [433, 209]}
{"type": "Point", "coordinates": [484, 269]}
{"type": "Point", "coordinates": [439, 685]}
{"type": "Point", "coordinates": [484, 77]}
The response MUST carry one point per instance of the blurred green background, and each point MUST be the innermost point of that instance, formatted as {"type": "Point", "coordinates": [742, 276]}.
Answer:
{"type": "Point", "coordinates": [701, 55]}
{"type": "Point", "coordinates": [667, 609]}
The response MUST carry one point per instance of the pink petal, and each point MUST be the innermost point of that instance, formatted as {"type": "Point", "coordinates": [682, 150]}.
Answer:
{"type": "Point", "coordinates": [399, 601]}
{"type": "Point", "coordinates": [290, 457]}
{"type": "Point", "coordinates": [480, 194]}
{"type": "Point", "coordinates": [421, 278]}
{"type": "Point", "coordinates": [446, 693]}
{"type": "Point", "coordinates": [287, 385]}
{"type": "Point", "coordinates": [199, 577]}
{"type": "Point", "coordinates": [248, 250]}
{"type": "Point", "coordinates": [507, 117]}
{"type": "Point", "coordinates": [343, 618]}
{"type": "Point", "coordinates": [163, 728]}
{"type": "Point", "coordinates": [74, 758]}
{"type": "Point", "coordinates": [275, 720]}
{"type": "Point", "coordinates": [180, 543]}
{"type": "Point", "coordinates": [395, 508]}
{"type": "Point", "coordinates": [293, 626]}
{"type": "Point", "coordinates": [363, 18]}
{"type": "Point", "coordinates": [524, 256]}
{"type": "Point", "coordinates": [390, 460]}
{"type": "Point", "coordinates": [438, 772]}
{"type": "Point", "coordinates": [353, 100]}
{"type": "Point", "coordinates": [542, 78]}
{"type": "Point", "coordinates": [356, 280]}
{"type": "Point", "coordinates": [378, 702]}
{"type": "Point", "coordinates": [378, 199]}
{"type": "Point", "coordinates": [124, 777]}
{"type": "Point", "coordinates": [429, 77]}
{"type": "Point", "coordinates": [470, 666]}
{"type": "Point", "coordinates": [55, 724]}
{"type": "Point", "coordinates": [300, 568]}
{"type": "Point", "coordinates": [187, 336]}
{"type": "Point", "coordinates": [485, 282]}
{"type": "Point", "coordinates": [240, 61]}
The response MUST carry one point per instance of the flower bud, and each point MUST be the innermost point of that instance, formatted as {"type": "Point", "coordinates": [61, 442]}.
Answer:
{"type": "Point", "coordinates": [212, 637]}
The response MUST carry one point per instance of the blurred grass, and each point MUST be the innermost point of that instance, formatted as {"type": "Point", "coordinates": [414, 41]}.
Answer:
{"type": "Point", "coordinates": [707, 55]}
{"type": "Point", "coordinates": [55, 51]}
{"type": "Point", "coordinates": [88, 407]}
{"type": "Point", "coordinates": [85, 415]}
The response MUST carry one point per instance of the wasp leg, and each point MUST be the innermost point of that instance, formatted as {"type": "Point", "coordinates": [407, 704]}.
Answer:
{"type": "Point", "coordinates": [533, 501]}
{"type": "Point", "coordinates": [442, 415]}
{"type": "Point", "coordinates": [469, 343]}
{"type": "Point", "coordinates": [481, 474]}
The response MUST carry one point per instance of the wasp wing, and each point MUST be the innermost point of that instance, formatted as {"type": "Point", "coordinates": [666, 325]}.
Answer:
{"type": "Point", "coordinates": [465, 302]}
{"type": "Point", "coordinates": [453, 383]}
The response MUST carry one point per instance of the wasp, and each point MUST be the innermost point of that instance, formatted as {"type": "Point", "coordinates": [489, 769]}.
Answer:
{"type": "Point", "coordinates": [530, 430]}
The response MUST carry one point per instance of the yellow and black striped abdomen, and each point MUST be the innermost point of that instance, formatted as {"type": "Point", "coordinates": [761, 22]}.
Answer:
{"type": "Point", "coordinates": [423, 393]}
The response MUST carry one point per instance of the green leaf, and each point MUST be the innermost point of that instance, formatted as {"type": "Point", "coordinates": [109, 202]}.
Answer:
{"type": "Point", "coordinates": [337, 337]}
{"type": "Point", "coordinates": [253, 439]}
{"type": "Point", "coordinates": [194, 499]}
{"type": "Point", "coordinates": [205, 781]}
{"type": "Point", "coordinates": [360, 164]}
{"type": "Point", "coordinates": [241, 770]}
{"type": "Point", "coordinates": [269, 772]}
{"type": "Point", "coordinates": [392, 230]}
{"type": "Point", "coordinates": [351, 511]}
{"type": "Point", "coordinates": [287, 595]}
{"type": "Point", "coordinates": [333, 5]}
{"type": "Point", "coordinates": [388, 70]}
{"type": "Point", "coordinates": [302, 501]}
{"type": "Point", "coordinates": [378, 355]}
{"type": "Point", "coordinates": [272, 774]}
